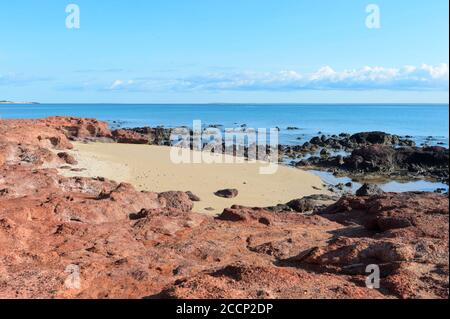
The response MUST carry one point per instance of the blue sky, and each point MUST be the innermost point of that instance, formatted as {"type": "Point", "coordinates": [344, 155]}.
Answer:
{"type": "Point", "coordinates": [204, 51]}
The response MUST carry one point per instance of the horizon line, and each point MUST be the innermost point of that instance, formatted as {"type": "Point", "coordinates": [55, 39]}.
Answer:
{"type": "Point", "coordinates": [228, 103]}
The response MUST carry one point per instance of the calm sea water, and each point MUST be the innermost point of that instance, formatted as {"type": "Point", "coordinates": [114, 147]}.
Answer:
{"type": "Point", "coordinates": [420, 121]}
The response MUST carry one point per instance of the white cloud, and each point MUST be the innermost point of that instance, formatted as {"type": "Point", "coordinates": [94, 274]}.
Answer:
{"type": "Point", "coordinates": [121, 84]}
{"type": "Point", "coordinates": [406, 78]}
{"type": "Point", "coordinates": [324, 72]}
{"type": "Point", "coordinates": [424, 77]}
{"type": "Point", "coordinates": [437, 72]}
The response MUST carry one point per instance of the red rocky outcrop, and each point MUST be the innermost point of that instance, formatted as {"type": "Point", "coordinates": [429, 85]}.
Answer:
{"type": "Point", "coordinates": [406, 235]}
{"type": "Point", "coordinates": [131, 244]}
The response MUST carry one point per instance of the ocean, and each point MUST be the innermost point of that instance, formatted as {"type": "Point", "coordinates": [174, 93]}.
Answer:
{"type": "Point", "coordinates": [426, 123]}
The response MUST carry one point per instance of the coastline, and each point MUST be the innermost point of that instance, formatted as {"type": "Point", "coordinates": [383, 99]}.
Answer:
{"type": "Point", "coordinates": [131, 243]}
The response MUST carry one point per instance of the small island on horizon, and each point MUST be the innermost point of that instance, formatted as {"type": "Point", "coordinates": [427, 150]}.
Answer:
{"type": "Point", "coordinates": [12, 102]}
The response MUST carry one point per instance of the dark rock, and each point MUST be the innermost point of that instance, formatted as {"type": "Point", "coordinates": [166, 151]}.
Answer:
{"type": "Point", "coordinates": [316, 141]}
{"type": "Point", "coordinates": [143, 135]}
{"type": "Point", "coordinates": [324, 153]}
{"type": "Point", "coordinates": [387, 161]}
{"type": "Point", "coordinates": [369, 190]}
{"type": "Point", "coordinates": [375, 138]}
{"type": "Point", "coordinates": [140, 215]}
{"type": "Point", "coordinates": [309, 203]}
{"type": "Point", "coordinates": [227, 193]}
{"type": "Point", "coordinates": [372, 158]}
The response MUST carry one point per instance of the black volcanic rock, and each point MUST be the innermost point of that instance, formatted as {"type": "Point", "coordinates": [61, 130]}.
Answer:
{"type": "Point", "coordinates": [369, 190]}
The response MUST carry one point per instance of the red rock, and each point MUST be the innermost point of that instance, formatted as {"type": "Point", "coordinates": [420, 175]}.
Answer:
{"type": "Point", "coordinates": [239, 213]}
{"type": "Point", "coordinates": [242, 281]}
{"type": "Point", "coordinates": [425, 214]}
{"type": "Point", "coordinates": [177, 200]}
{"type": "Point", "coordinates": [79, 128]}
{"type": "Point", "coordinates": [406, 236]}
{"type": "Point", "coordinates": [130, 137]}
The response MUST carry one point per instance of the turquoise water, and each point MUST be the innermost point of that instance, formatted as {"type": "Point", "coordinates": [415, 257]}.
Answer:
{"type": "Point", "coordinates": [419, 121]}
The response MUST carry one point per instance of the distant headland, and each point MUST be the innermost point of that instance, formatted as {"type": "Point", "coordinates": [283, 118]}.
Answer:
{"type": "Point", "coordinates": [11, 102]}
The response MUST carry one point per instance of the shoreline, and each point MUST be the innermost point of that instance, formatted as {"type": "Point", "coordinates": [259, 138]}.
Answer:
{"type": "Point", "coordinates": [367, 157]}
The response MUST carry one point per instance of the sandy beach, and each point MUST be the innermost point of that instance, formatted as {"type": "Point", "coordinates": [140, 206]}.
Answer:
{"type": "Point", "coordinates": [150, 168]}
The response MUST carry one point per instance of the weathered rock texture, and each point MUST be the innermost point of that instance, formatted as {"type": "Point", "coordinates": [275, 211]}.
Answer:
{"type": "Point", "coordinates": [130, 244]}
{"type": "Point", "coordinates": [379, 160]}
{"type": "Point", "coordinates": [407, 236]}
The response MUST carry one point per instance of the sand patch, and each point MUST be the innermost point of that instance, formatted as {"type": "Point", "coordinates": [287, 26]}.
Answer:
{"type": "Point", "coordinates": [150, 168]}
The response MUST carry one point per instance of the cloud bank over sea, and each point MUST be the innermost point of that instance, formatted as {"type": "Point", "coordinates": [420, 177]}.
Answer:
{"type": "Point", "coordinates": [405, 78]}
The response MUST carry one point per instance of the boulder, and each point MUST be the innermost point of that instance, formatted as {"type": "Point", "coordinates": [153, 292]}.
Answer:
{"type": "Point", "coordinates": [369, 190]}
{"type": "Point", "coordinates": [227, 193]}
{"type": "Point", "coordinates": [177, 200]}
{"type": "Point", "coordinates": [375, 138]}
{"type": "Point", "coordinates": [372, 158]}
{"type": "Point", "coordinates": [310, 203]}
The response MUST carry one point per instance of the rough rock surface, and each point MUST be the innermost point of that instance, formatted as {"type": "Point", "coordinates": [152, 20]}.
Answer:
{"type": "Point", "coordinates": [129, 244]}
{"type": "Point", "coordinates": [344, 142]}
{"type": "Point", "coordinates": [369, 138]}
{"type": "Point", "coordinates": [387, 161]}
{"type": "Point", "coordinates": [405, 234]}
{"type": "Point", "coordinates": [144, 135]}
{"type": "Point", "coordinates": [310, 203]}
{"type": "Point", "coordinates": [130, 137]}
